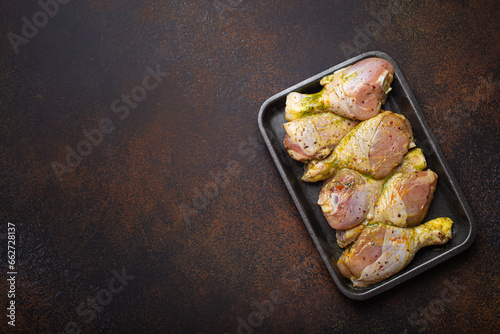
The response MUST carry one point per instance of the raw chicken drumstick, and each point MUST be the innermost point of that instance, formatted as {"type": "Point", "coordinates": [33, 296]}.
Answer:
{"type": "Point", "coordinates": [356, 92]}
{"type": "Point", "coordinates": [314, 137]}
{"type": "Point", "coordinates": [374, 147]}
{"type": "Point", "coordinates": [349, 197]}
{"type": "Point", "coordinates": [404, 202]}
{"type": "Point", "coordinates": [382, 250]}
{"type": "Point", "coordinates": [406, 198]}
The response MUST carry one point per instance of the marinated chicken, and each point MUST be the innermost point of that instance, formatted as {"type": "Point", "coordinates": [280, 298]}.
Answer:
{"type": "Point", "coordinates": [355, 92]}
{"type": "Point", "coordinates": [383, 250]}
{"type": "Point", "coordinates": [347, 237]}
{"type": "Point", "coordinates": [349, 197]}
{"type": "Point", "coordinates": [413, 161]}
{"type": "Point", "coordinates": [314, 137]}
{"type": "Point", "coordinates": [406, 198]}
{"type": "Point", "coordinates": [374, 147]}
{"type": "Point", "coordinates": [376, 191]}
{"type": "Point", "coordinates": [404, 202]}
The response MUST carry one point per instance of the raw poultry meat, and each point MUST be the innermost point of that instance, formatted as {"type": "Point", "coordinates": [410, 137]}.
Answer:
{"type": "Point", "coordinates": [349, 197]}
{"type": "Point", "coordinates": [383, 250]}
{"type": "Point", "coordinates": [315, 136]}
{"type": "Point", "coordinates": [356, 92]}
{"type": "Point", "coordinates": [377, 190]}
{"type": "Point", "coordinates": [374, 147]}
{"type": "Point", "coordinates": [404, 202]}
{"type": "Point", "coordinates": [406, 198]}
{"type": "Point", "coordinates": [347, 237]}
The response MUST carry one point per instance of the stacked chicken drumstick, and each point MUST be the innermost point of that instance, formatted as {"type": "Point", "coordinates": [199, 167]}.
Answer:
{"type": "Point", "coordinates": [376, 189]}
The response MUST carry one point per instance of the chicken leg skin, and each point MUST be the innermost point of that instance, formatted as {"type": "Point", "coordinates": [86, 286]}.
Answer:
{"type": "Point", "coordinates": [382, 250]}
{"type": "Point", "coordinates": [374, 147]}
{"type": "Point", "coordinates": [348, 198]}
{"type": "Point", "coordinates": [357, 92]}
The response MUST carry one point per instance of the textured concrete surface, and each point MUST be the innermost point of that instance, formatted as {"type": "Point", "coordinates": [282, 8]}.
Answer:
{"type": "Point", "coordinates": [204, 256]}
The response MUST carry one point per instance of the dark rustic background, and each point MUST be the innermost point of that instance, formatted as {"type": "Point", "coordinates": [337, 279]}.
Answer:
{"type": "Point", "coordinates": [203, 255]}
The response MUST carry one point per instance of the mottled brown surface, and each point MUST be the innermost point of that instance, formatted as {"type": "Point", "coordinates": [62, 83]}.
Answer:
{"type": "Point", "coordinates": [122, 206]}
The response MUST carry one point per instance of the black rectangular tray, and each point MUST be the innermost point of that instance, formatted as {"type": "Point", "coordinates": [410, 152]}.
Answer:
{"type": "Point", "coordinates": [449, 200]}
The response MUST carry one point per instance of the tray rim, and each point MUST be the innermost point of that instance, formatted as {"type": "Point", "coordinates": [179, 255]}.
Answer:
{"type": "Point", "coordinates": [402, 276]}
